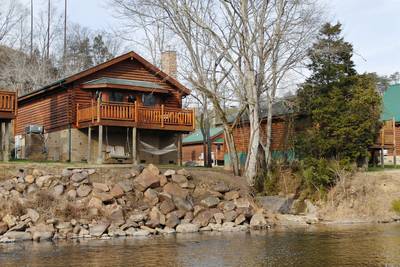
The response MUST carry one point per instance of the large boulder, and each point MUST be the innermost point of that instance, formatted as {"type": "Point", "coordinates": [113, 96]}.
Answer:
{"type": "Point", "coordinates": [79, 176]}
{"type": "Point", "coordinates": [276, 204]}
{"type": "Point", "coordinates": [98, 229]}
{"type": "Point", "coordinates": [167, 206]}
{"type": "Point", "coordinates": [204, 217]}
{"type": "Point", "coordinates": [187, 228]}
{"type": "Point", "coordinates": [183, 204]}
{"type": "Point", "coordinates": [18, 236]}
{"type": "Point", "coordinates": [221, 187]}
{"type": "Point", "coordinates": [126, 185]}
{"type": "Point", "coordinates": [231, 195]}
{"type": "Point", "coordinates": [151, 196]}
{"type": "Point", "coordinates": [175, 190]}
{"type": "Point", "coordinates": [44, 180]}
{"type": "Point", "coordinates": [33, 214]}
{"type": "Point", "coordinates": [210, 201]}
{"type": "Point", "coordinates": [172, 220]}
{"type": "Point", "coordinates": [178, 178]}
{"type": "Point", "coordinates": [83, 190]}
{"type": "Point", "coordinates": [117, 191]}
{"type": "Point", "coordinates": [169, 172]}
{"type": "Point", "coordinates": [147, 179]}
{"type": "Point", "coordinates": [101, 187]}
{"type": "Point", "coordinates": [258, 220]}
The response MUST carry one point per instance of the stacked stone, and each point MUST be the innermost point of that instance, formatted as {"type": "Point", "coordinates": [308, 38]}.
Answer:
{"type": "Point", "coordinates": [144, 202]}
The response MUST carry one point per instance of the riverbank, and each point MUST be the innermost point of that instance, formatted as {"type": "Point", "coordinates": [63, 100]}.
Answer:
{"type": "Point", "coordinates": [38, 204]}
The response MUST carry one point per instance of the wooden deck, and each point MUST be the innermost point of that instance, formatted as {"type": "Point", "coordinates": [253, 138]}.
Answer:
{"type": "Point", "coordinates": [8, 105]}
{"type": "Point", "coordinates": [133, 115]}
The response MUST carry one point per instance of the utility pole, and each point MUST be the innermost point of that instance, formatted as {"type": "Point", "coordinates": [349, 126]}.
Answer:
{"type": "Point", "coordinates": [31, 28]}
{"type": "Point", "coordinates": [65, 31]}
{"type": "Point", "coordinates": [48, 31]}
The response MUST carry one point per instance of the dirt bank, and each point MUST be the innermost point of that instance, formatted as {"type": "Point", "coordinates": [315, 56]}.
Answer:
{"type": "Point", "coordinates": [365, 197]}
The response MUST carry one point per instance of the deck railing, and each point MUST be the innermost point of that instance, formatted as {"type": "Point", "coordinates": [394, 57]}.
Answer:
{"type": "Point", "coordinates": [131, 112]}
{"type": "Point", "coordinates": [8, 102]}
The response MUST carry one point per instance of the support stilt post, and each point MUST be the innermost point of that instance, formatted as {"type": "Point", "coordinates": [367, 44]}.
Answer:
{"type": "Point", "coordinates": [134, 146]}
{"type": "Point", "coordinates": [6, 156]}
{"type": "Point", "coordinates": [89, 144]}
{"type": "Point", "coordinates": [100, 146]}
{"type": "Point", "coordinates": [179, 151]}
{"type": "Point", "coordinates": [3, 137]}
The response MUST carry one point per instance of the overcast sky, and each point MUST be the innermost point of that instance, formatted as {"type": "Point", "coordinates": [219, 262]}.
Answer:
{"type": "Point", "coordinates": [372, 26]}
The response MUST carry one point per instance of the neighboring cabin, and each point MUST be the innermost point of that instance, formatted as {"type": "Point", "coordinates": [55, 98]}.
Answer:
{"type": "Point", "coordinates": [282, 128]}
{"type": "Point", "coordinates": [123, 110]}
{"type": "Point", "coordinates": [192, 147]}
{"type": "Point", "coordinates": [389, 138]}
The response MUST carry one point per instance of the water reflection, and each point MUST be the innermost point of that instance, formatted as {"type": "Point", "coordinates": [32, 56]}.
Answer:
{"type": "Point", "coordinates": [314, 246]}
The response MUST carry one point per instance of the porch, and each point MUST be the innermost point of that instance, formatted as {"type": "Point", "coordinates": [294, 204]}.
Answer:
{"type": "Point", "coordinates": [8, 111]}
{"type": "Point", "coordinates": [8, 105]}
{"type": "Point", "coordinates": [134, 115]}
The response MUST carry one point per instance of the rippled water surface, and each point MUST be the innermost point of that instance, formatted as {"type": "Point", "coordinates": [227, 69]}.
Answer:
{"type": "Point", "coordinates": [362, 245]}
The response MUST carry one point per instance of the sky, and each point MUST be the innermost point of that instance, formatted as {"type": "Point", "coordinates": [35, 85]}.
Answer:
{"type": "Point", "coordinates": [373, 27]}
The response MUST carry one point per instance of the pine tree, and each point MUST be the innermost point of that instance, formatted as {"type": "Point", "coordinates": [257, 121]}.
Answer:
{"type": "Point", "coordinates": [342, 107]}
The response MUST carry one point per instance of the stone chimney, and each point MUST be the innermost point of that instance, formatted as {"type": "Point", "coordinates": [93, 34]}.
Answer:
{"type": "Point", "coordinates": [168, 63]}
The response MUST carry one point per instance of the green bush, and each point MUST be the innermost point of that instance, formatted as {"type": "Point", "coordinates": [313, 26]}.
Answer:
{"type": "Point", "coordinates": [396, 206]}
{"type": "Point", "coordinates": [321, 174]}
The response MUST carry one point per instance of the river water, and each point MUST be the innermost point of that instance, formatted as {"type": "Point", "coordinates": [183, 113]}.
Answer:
{"type": "Point", "coordinates": [361, 245]}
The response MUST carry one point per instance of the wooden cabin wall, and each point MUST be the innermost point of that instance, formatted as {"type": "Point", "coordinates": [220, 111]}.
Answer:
{"type": "Point", "coordinates": [279, 140]}
{"type": "Point", "coordinates": [133, 70]}
{"type": "Point", "coordinates": [51, 110]}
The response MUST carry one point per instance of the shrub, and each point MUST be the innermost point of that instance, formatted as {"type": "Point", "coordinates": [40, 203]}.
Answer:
{"type": "Point", "coordinates": [396, 206]}
{"type": "Point", "coordinates": [321, 174]}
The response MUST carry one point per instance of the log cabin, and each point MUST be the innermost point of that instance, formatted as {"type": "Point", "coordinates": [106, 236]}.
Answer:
{"type": "Point", "coordinates": [8, 112]}
{"type": "Point", "coordinates": [193, 151]}
{"type": "Point", "coordinates": [282, 130]}
{"type": "Point", "coordinates": [121, 111]}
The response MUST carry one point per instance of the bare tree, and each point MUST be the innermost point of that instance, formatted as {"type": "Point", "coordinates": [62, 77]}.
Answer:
{"type": "Point", "coordinates": [11, 15]}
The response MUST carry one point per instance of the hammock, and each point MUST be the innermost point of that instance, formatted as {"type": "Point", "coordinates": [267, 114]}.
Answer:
{"type": "Point", "coordinates": [157, 151]}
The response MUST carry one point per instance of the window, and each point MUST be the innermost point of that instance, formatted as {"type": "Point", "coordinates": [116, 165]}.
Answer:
{"type": "Point", "coordinates": [148, 100]}
{"type": "Point", "coordinates": [116, 97]}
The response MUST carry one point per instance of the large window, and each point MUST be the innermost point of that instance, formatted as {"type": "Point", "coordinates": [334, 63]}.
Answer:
{"type": "Point", "coordinates": [116, 97]}
{"type": "Point", "coordinates": [148, 100]}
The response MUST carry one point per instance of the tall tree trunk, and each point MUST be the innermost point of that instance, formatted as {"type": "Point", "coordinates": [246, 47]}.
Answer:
{"type": "Point", "coordinates": [230, 143]}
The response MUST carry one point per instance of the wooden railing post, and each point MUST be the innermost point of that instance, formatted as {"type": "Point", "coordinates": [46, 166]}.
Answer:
{"type": "Point", "coordinates": [162, 116]}
{"type": "Point", "coordinates": [98, 111]}
{"type": "Point", "coordinates": [91, 110]}
{"type": "Point", "coordinates": [77, 115]}
{"type": "Point", "coordinates": [136, 112]}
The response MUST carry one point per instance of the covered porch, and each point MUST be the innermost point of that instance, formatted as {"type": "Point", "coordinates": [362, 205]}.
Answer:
{"type": "Point", "coordinates": [115, 145]}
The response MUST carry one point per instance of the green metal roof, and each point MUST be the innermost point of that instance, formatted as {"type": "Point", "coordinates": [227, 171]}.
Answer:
{"type": "Point", "coordinates": [197, 136]}
{"type": "Point", "coordinates": [219, 140]}
{"type": "Point", "coordinates": [391, 103]}
{"type": "Point", "coordinates": [124, 82]}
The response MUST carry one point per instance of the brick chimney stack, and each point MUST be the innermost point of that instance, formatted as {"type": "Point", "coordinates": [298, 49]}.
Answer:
{"type": "Point", "coordinates": [168, 63]}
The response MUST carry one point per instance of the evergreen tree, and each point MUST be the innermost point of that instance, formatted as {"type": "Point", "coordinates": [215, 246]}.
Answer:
{"type": "Point", "coordinates": [342, 107]}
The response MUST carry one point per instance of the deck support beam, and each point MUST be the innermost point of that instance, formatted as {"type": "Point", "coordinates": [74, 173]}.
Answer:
{"type": "Point", "coordinates": [5, 140]}
{"type": "Point", "coordinates": [89, 144]}
{"type": "Point", "coordinates": [134, 146]}
{"type": "Point", "coordinates": [100, 146]}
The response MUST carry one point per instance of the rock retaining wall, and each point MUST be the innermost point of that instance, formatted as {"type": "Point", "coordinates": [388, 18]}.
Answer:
{"type": "Point", "coordinates": [80, 203]}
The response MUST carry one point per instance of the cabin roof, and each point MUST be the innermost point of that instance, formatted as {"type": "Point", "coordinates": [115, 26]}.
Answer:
{"type": "Point", "coordinates": [197, 136]}
{"type": "Point", "coordinates": [118, 81]}
{"type": "Point", "coordinates": [156, 71]}
{"type": "Point", "coordinates": [391, 107]}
